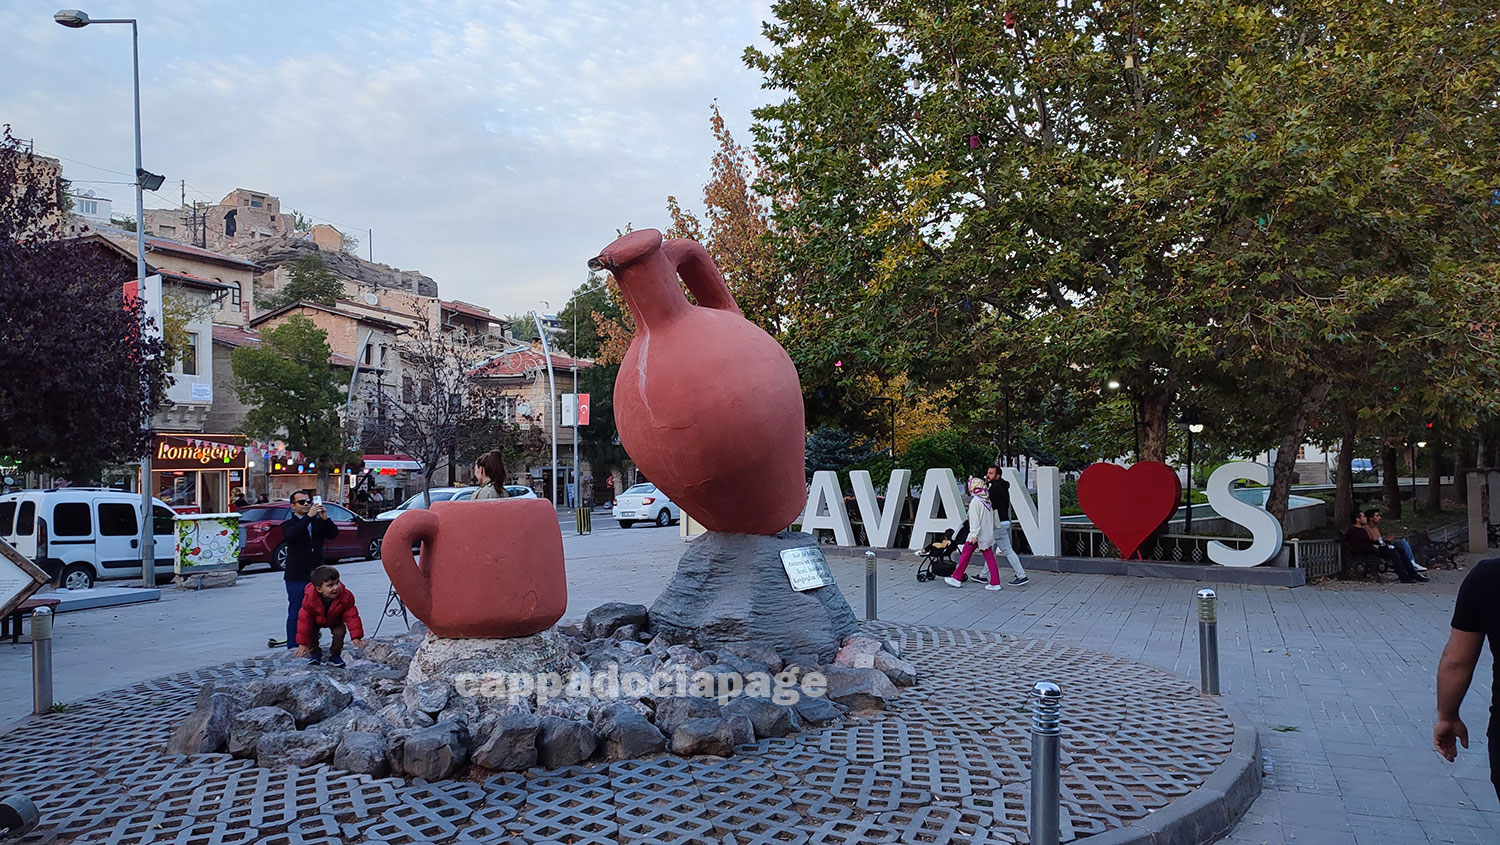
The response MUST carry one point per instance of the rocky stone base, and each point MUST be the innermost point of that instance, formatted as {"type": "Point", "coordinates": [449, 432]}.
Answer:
{"type": "Point", "coordinates": [610, 689]}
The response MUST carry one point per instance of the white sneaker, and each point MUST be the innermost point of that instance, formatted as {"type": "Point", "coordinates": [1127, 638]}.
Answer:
{"type": "Point", "coordinates": [994, 586]}
{"type": "Point", "coordinates": [953, 582]}
{"type": "Point", "coordinates": [1419, 567]}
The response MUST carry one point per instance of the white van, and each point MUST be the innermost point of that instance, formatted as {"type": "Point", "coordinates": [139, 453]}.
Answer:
{"type": "Point", "coordinates": [79, 535]}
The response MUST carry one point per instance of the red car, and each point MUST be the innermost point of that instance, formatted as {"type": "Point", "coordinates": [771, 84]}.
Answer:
{"type": "Point", "coordinates": [260, 526]}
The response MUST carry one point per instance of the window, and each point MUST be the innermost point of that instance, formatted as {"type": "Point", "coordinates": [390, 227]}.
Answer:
{"type": "Point", "coordinates": [264, 514]}
{"type": "Point", "coordinates": [7, 517]}
{"type": "Point", "coordinates": [257, 202]}
{"type": "Point", "coordinates": [165, 230]}
{"type": "Point", "coordinates": [383, 350]}
{"type": "Point", "coordinates": [235, 295]}
{"type": "Point", "coordinates": [163, 521]}
{"type": "Point", "coordinates": [337, 513]}
{"type": "Point", "coordinates": [369, 354]}
{"type": "Point", "coordinates": [26, 519]}
{"type": "Point", "coordinates": [117, 519]}
{"type": "Point", "coordinates": [1301, 453]}
{"type": "Point", "coordinates": [89, 207]}
{"type": "Point", "coordinates": [71, 519]}
{"type": "Point", "coordinates": [190, 355]}
{"type": "Point", "coordinates": [426, 391]}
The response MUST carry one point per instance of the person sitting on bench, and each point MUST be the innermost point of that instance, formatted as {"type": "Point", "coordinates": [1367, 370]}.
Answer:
{"type": "Point", "coordinates": [1360, 543]}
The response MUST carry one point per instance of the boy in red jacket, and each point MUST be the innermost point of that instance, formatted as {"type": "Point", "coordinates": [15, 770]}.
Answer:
{"type": "Point", "coordinates": [327, 603]}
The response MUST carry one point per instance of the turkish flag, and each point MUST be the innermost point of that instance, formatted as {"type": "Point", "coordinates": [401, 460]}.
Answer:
{"type": "Point", "coordinates": [583, 409]}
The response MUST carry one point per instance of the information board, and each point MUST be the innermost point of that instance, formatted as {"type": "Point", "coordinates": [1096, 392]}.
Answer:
{"type": "Point", "coordinates": [19, 578]}
{"type": "Point", "coordinates": [806, 568]}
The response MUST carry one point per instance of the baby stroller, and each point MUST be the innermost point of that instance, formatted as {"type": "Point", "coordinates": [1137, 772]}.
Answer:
{"type": "Point", "coordinates": [937, 556]}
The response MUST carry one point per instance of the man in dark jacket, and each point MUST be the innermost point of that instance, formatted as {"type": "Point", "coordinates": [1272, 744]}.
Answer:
{"type": "Point", "coordinates": [1360, 543]}
{"type": "Point", "coordinates": [303, 536]}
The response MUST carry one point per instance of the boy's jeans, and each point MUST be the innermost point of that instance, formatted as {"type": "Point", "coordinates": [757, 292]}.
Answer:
{"type": "Point", "coordinates": [337, 648]}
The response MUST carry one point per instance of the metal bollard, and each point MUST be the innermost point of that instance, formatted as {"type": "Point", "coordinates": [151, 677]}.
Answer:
{"type": "Point", "coordinates": [18, 816]}
{"type": "Point", "coordinates": [870, 586]}
{"type": "Point", "coordinates": [1044, 823]}
{"type": "Point", "coordinates": [41, 660]}
{"type": "Point", "coordinates": [1208, 640]}
{"type": "Point", "coordinates": [585, 520]}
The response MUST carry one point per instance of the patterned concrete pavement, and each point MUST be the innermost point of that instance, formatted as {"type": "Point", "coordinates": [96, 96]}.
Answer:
{"type": "Point", "coordinates": [1338, 679]}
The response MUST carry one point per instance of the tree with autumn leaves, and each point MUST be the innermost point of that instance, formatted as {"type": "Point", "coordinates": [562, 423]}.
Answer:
{"type": "Point", "coordinates": [1266, 214]}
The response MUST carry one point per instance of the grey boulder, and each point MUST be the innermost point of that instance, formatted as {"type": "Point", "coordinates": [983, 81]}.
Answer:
{"type": "Point", "coordinates": [901, 672]}
{"type": "Point", "coordinates": [672, 712]}
{"type": "Point", "coordinates": [507, 742]}
{"type": "Point", "coordinates": [861, 690]}
{"type": "Point", "coordinates": [436, 753]}
{"type": "Point", "coordinates": [626, 734]}
{"type": "Point", "coordinates": [608, 618]}
{"type": "Point", "coordinates": [697, 737]}
{"type": "Point", "coordinates": [309, 697]}
{"type": "Point", "coordinates": [206, 730]}
{"type": "Point", "coordinates": [294, 748]}
{"type": "Point", "coordinates": [564, 742]}
{"type": "Point", "coordinates": [768, 718]}
{"type": "Point", "coordinates": [428, 696]}
{"type": "Point", "coordinates": [247, 727]}
{"type": "Point", "coordinates": [817, 712]}
{"type": "Point", "coordinates": [363, 753]}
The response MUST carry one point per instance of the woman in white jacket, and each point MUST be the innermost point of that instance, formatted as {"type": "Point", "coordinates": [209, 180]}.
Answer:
{"type": "Point", "coordinates": [981, 536]}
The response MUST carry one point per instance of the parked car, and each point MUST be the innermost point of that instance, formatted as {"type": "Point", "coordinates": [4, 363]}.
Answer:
{"type": "Point", "coordinates": [79, 535]}
{"type": "Point", "coordinates": [260, 526]}
{"type": "Point", "coordinates": [436, 494]}
{"type": "Point", "coordinates": [519, 491]}
{"type": "Point", "coordinates": [645, 503]}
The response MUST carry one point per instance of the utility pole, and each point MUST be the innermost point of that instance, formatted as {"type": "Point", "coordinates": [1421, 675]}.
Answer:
{"type": "Point", "coordinates": [552, 403]}
{"type": "Point", "coordinates": [573, 356]}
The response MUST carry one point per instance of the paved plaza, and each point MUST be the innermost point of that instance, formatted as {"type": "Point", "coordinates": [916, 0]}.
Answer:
{"type": "Point", "coordinates": [1338, 679]}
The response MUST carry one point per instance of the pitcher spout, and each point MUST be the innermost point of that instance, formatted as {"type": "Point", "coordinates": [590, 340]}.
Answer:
{"type": "Point", "coordinates": [645, 275]}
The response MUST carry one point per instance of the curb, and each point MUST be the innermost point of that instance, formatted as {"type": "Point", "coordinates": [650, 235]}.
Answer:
{"type": "Point", "coordinates": [1267, 576]}
{"type": "Point", "coordinates": [1209, 812]}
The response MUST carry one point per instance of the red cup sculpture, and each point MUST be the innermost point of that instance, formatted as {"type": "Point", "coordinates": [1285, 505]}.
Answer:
{"type": "Point", "coordinates": [492, 568]}
{"type": "Point", "coordinates": [708, 405]}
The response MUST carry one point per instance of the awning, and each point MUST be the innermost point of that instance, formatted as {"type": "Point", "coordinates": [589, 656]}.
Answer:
{"type": "Point", "coordinates": [393, 462]}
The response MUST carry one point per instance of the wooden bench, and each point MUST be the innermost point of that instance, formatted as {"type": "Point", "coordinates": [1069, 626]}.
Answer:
{"type": "Point", "coordinates": [1434, 554]}
{"type": "Point", "coordinates": [1367, 565]}
{"type": "Point", "coordinates": [10, 624]}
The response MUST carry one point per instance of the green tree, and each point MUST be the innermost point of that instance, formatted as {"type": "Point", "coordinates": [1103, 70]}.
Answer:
{"type": "Point", "coordinates": [1223, 205]}
{"type": "Point", "coordinates": [310, 281]}
{"type": "Point", "coordinates": [590, 298]}
{"type": "Point", "coordinates": [522, 327]}
{"type": "Point", "coordinates": [294, 393]}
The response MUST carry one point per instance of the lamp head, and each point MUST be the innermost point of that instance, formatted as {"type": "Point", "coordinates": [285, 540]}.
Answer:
{"type": "Point", "coordinates": [1421, 444]}
{"type": "Point", "coordinates": [1113, 384]}
{"type": "Point", "coordinates": [71, 18]}
{"type": "Point", "coordinates": [1196, 428]}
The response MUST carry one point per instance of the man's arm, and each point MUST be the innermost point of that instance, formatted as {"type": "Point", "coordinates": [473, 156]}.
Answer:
{"type": "Point", "coordinates": [1455, 671]}
{"type": "Point", "coordinates": [294, 534]}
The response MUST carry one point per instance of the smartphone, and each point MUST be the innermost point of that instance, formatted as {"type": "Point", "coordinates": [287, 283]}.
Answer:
{"type": "Point", "coordinates": [317, 500]}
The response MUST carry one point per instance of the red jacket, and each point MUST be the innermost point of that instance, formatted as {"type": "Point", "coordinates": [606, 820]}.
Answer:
{"type": "Point", "coordinates": [315, 615]}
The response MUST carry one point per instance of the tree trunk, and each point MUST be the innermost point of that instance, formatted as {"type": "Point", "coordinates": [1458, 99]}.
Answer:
{"type": "Point", "coordinates": [1390, 480]}
{"type": "Point", "coordinates": [323, 479]}
{"type": "Point", "coordinates": [1155, 424]}
{"type": "Point", "coordinates": [1435, 473]}
{"type": "Point", "coordinates": [1343, 497]}
{"type": "Point", "coordinates": [1460, 480]}
{"type": "Point", "coordinates": [1286, 454]}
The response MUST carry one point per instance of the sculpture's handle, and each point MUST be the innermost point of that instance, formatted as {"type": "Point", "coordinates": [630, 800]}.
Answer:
{"type": "Point", "coordinates": [693, 264]}
{"type": "Point", "coordinates": [395, 554]}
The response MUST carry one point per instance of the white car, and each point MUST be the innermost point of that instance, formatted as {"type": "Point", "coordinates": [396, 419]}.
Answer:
{"type": "Point", "coordinates": [512, 491]}
{"type": "Point", "coordinates": [79, 535]}
{"type": "Point", "coordinates": [437, 494]}
{"type": "Point", "coordinates": [645, 503]}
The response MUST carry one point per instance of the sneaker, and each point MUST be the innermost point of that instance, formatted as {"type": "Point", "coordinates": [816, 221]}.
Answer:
{"type": "Point", "coordinates": [1419, 567]}
{"type": "Point", "coordinates": [1423, 578]}
{"type": "Point", "coordinates": [1020, 581]}
{"type": "Point", "coordinates": [994, 587]}
{"type": "Point", "coordinates": [315, 658]}
{"type": "Point", "coordinates": [953, 582]}
{"type": "Point", "coordinates": [336, 661]}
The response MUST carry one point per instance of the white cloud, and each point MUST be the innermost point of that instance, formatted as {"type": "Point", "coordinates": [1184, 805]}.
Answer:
{"type": "Point", "coordinates": [495, 147]}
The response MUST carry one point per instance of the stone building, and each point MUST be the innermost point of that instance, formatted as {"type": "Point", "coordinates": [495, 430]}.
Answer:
{"type": "Point", "coordinates": [516, 385]}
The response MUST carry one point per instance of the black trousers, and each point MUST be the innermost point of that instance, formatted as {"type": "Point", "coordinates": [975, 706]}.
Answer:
{"type": "Point", "coordinates": [1398, 562]}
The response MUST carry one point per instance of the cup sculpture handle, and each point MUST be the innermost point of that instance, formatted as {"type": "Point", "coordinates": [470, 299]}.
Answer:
{"type": "Point", "coordinates": [410, 581]}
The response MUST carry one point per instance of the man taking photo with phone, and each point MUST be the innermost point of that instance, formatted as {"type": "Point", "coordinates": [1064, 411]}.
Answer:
{"type": "Point", "coordinates": [303, 535]}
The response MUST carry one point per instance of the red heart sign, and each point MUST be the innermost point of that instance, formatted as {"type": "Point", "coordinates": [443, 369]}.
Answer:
{"type": "Point", "coordinates": [1129, 505]}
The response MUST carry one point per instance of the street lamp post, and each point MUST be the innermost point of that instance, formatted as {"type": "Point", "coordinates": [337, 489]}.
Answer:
{"type": "Point", "coordinates": [552, 403]}
{"type": "Point", "coordinates": [1421, 444]}
{"type": "Point", "coordinates": [1193, 427]}
{"type": "Point", "coordinates": [573, 356]}
{"type": "Point", "coordinates": [1135, 419]}
{"type": "Point", "coordinates": [75, 19]}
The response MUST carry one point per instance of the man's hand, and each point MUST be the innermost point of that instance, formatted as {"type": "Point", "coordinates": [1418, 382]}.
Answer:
{"type": "Point", "coordinates": [1445, 732]}
{"type": "Point", "coordinates": [358, 642]}
{"type": "Point", "coordinates": [303, 651]}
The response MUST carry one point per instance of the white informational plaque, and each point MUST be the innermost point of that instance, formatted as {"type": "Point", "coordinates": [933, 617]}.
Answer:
{"type": "Point", "coordinates": [806, 568]}
{"type": "Point", "coordinates": [19, 578]}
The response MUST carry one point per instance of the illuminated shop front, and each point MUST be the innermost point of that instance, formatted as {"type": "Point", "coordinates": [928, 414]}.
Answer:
{"type": "Point", "coordinates": [196, 473]}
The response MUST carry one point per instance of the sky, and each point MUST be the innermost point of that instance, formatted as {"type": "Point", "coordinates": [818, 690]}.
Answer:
{"type": "Point", "coordinates": [494, 146]}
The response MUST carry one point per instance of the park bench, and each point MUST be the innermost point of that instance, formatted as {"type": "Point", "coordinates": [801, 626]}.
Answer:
{"type": "Point", "coordinates": [1362, 565]}
{"type": "Point", "coordinates": [10, 624]}
{"type": "Point", "coordinates": [1434, 554]}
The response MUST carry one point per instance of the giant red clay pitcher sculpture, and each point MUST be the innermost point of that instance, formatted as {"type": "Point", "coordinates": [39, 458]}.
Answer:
{"type": "Point", "coordinates": [709, 406]}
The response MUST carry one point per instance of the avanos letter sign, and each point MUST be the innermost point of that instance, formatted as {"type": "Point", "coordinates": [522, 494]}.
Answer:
{"type": "Point", "coordinates": [941, 507]}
